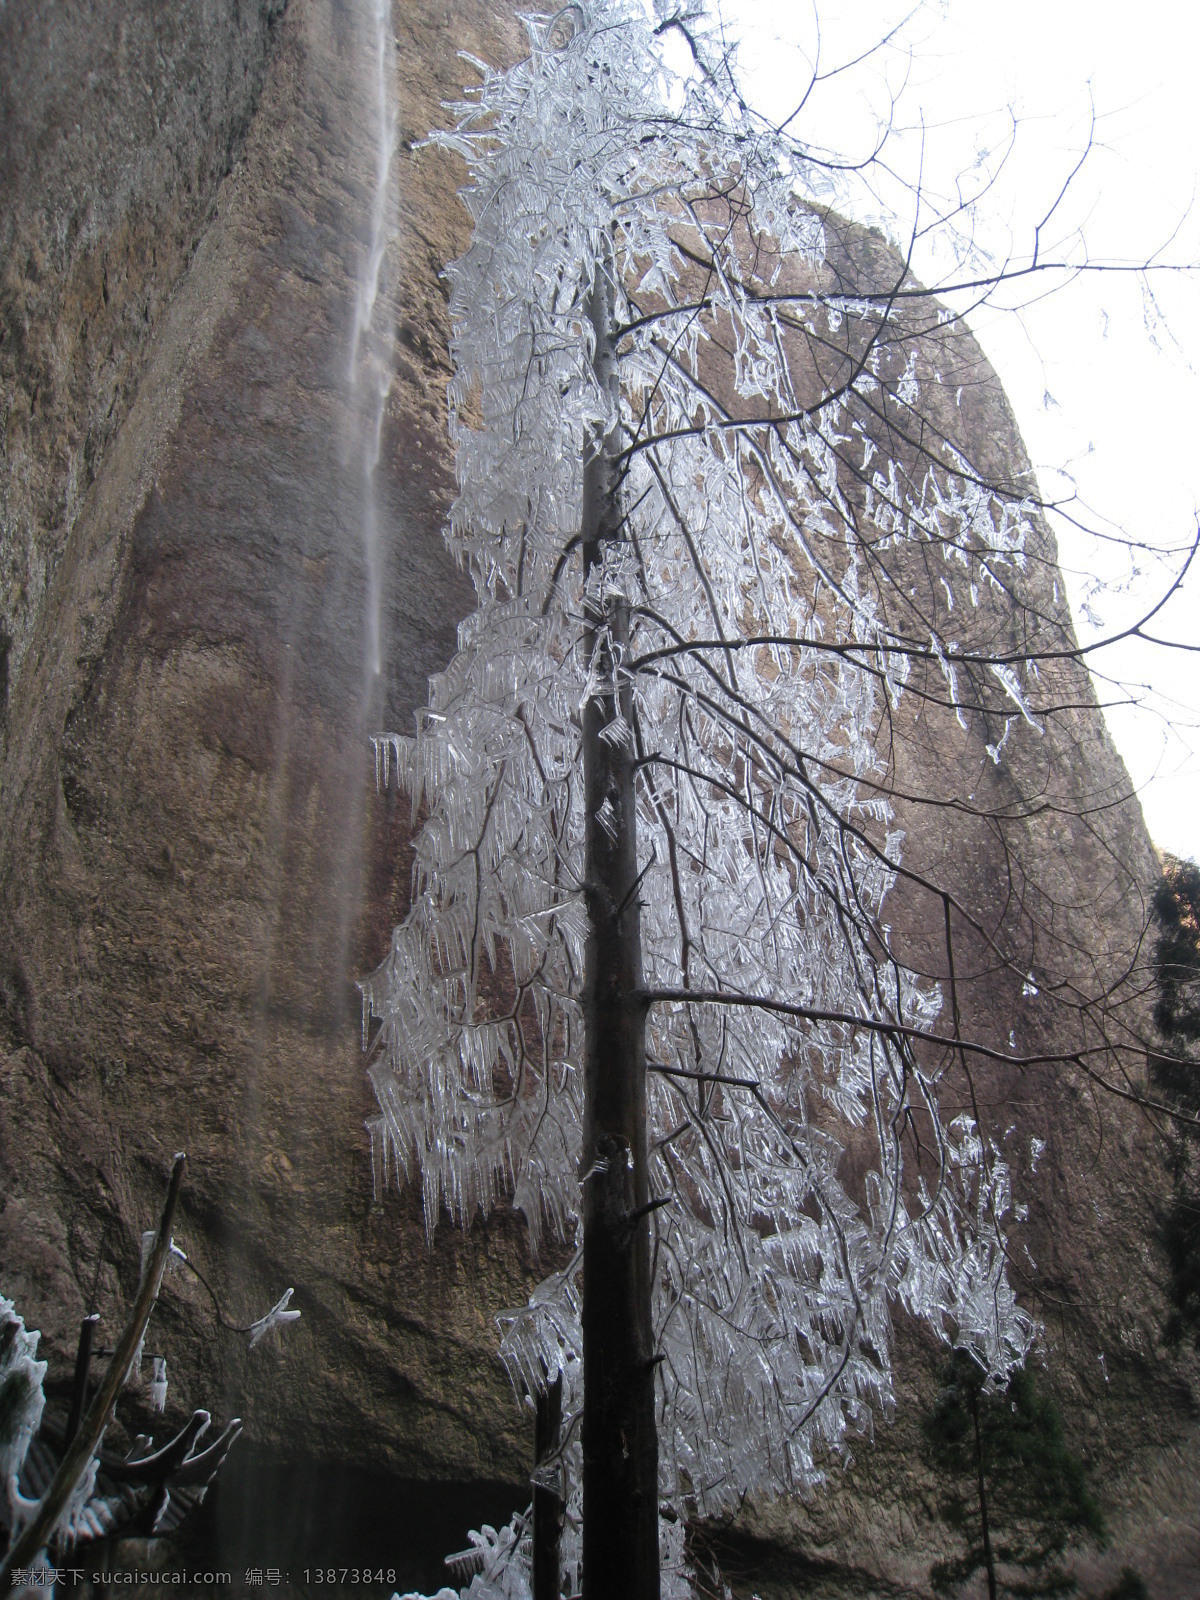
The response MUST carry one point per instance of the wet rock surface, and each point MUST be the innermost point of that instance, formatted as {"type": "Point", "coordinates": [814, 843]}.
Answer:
{"type": "Point", "coordinates": [195, 865]}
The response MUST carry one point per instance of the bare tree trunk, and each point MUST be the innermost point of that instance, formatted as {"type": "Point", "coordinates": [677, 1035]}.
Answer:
{"type": "Point", "coordinates": [620, 1445]}
{"type": "Point", "coordinates": [83, 1364]}
{"type": "Point", "coordinates": [547, 1505]}
{"type": "Point", "coordinates": [983, 1513]}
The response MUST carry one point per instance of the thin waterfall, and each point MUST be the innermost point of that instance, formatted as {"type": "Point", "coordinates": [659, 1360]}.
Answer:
{"type": "Point", "coordinates": [371, 367]}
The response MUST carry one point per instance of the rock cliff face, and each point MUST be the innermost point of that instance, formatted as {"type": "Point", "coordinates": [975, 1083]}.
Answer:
{"type": "Point", "coordinates": [117, 130]}
{"type": "Point", "coordinates": [194, 864]}
{"type": "Point", "coordinates": [192, 875]}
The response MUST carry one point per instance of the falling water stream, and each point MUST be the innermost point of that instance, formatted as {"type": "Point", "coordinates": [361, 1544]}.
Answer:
{"type": "Point", "coordinates": [371, 364]}
{"type": "Point", "coordinates": [307, 1514]}
{"type": "Point", "coordinates": [303, 1513]}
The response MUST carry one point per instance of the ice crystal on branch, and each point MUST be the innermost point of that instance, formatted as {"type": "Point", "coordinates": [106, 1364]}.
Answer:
{"type": "Point", "coordinates": [21, 1401]}
{"type": "Point", "coordinates": [767, 641]}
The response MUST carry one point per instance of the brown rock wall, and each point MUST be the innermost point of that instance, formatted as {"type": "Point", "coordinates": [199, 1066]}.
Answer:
{"type": "Point", "coordinates": [190, 818]}
{"type": "Point", "coordinates": [115, 132]}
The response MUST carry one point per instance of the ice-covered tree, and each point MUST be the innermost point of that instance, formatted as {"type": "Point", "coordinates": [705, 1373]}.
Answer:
{"type": "Point", "coordinates": [647, 987]}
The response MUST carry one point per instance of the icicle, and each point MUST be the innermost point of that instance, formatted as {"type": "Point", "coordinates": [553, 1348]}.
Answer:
{"type": "Point", "coordinates": [1012, 689]}
{"type": "Point", "coordinates": [275, 1318]}
{"type": "Point", "coordinates": [21, 1377]}
{"type": "Point", "coordinates": [995, 750]}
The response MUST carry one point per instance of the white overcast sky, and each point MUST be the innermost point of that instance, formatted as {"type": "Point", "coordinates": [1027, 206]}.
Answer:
{"type": "Point", "coordinates": [1103, 384]}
